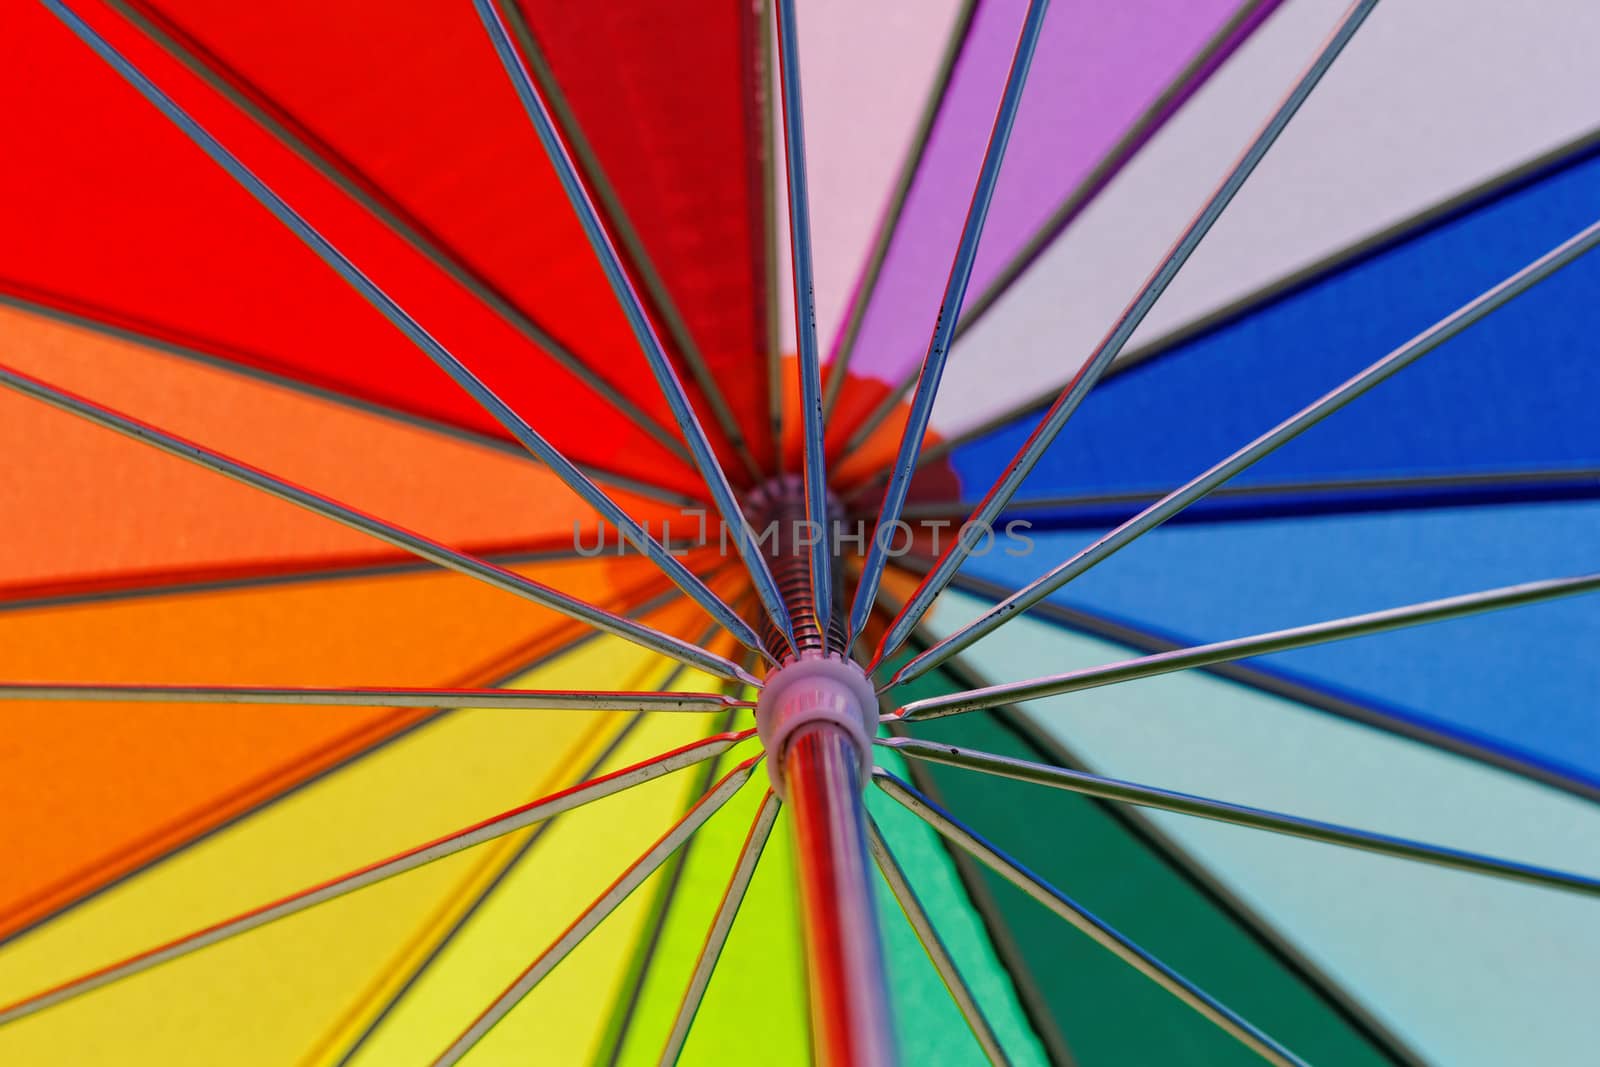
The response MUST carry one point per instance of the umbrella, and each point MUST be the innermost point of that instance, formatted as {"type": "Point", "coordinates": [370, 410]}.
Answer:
{"type": "Point", "coordinates": [869, 532]}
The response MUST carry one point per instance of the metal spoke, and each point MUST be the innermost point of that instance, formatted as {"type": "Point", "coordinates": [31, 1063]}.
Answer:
{"type": "Point", "coordinates": [1396, 490]}
{"type": "Point", "coordinates": [1287, 430]}
{"type": "Point", "coordinates": [1377, 622]}
{"type": "Point", "coordinates": [1256, 818]}
{"type": "Point", "coordinates": [721, 925]}
{"type": "Point", "coordinates": [508, 822]}
{"type": "Point", "coordinates": [397, 536]}
{"type": "Point", "coordinates": [397, 316]}
{"type": "Point", "coordinates": [955, 292]}
{"type": "Point", "coordinates": [666, 375]}
{"type": "Point", "coordinates": [938, 954]}
{"type": "Point", "coordinates": [1086, 922]}
{"type": "Point", "coordinates": [805, 319]}
{"type": "Point", "coordinates": [603, 906]}
{"type": "Point", "coordinates": [769, 231]}
{"type": "Point", "coordinates": [528, 699]}
{"type": "Point", "coordinates": [1018, 468]}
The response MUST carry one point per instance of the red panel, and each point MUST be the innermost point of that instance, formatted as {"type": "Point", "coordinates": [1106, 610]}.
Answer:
{"type": "Point", "coordinates": [111, 210]}
{"type": "Point", "coordinates": [668, 102]}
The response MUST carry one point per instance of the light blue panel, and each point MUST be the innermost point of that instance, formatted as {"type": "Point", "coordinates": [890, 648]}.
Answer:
{"type": "Point", "coordinates": [1525, 680]}
{"type": "Point", "coordinates": [1467, 969]}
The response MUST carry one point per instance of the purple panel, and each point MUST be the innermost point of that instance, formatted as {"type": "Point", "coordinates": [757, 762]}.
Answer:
{"type": "Point", "coordinates": [1099, 65]}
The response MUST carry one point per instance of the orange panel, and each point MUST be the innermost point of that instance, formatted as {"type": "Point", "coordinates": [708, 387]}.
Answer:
{"type": "Point", "coordinates": [100, 506]}
{"type": "Point", "coordinates": [92, 791]}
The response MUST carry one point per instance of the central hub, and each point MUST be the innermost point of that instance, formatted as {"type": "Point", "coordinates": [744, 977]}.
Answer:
{"type": "Point", "coordinates": [816, 688]}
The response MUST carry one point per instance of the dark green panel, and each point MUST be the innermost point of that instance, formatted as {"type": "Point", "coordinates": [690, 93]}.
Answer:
{"type": "Point", "coordinates": [1107, 1013]}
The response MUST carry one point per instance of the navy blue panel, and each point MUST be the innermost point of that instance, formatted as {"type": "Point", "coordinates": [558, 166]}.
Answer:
{"type": "Point", "coordinates": [1519, 392]}
{"type": "Point", "coordinates": [1525, 681]}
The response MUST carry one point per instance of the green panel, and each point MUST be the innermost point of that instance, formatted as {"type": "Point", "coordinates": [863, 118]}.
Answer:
{"type": "Point", "coordinates": [1108, 1013]}
{"type": "Point", "coordinates": [760, 974]}
{"type": "Point", "coordinates": [929, 1025]}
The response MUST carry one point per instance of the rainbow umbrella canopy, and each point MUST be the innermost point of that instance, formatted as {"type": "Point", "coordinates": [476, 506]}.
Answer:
{"type": "Point", "coordinates": [523, 543]}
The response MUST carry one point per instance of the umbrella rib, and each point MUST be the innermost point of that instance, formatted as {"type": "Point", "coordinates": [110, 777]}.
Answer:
{"type": "Point", "coordinates": [955, 292]}
{"type": "Point", "coordinates": [397, 536]}
{"type": "Point", "coordinates": [1039, 441]}
{"type": "Point", "coordinates": [200, 580]}
{"type": "Point", "coordinates": [597, 911]}
{"type": "Point", "coordinates": [938, 953]}
{"type": "Point", "coordinates": [505, 823]}
{"type": "Point", "coordinates": [1287, 430]}
{"type": "Point", "coordinates": [721, 925]}
{"type": "Point", "coordinates": [1085, 922]}
{"type": "Point", "coordinates": [819, 530]}
{"type": "Point", "coordinates": [660, 296]}
{"type": "Point", "coordinates": [376, 697]}
{"type": "Point", "coordinates": [251, 100]}
{"type": "Point", "coordinates": [844, 348]}
{"type": "Point", "coordinates": [398, 317]}
{"type": "Point", "coordinates": [1240, 815]}
{"type": "Point", "coordinates": [666, 376]}
{"type": "Point", "coordinates": [769, 231]}
{"type": "Point", "coordinates": [1523, 483]}
{"type": "Point", "coordinates": [1376, 622]}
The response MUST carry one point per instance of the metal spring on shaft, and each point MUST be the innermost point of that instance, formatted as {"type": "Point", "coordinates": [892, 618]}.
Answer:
{"type": "Point", "coordinates": [783, 502]}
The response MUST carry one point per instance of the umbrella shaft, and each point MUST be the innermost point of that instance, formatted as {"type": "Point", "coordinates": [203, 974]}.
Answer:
{"type": "Point", "coordinates": [850, 1021]}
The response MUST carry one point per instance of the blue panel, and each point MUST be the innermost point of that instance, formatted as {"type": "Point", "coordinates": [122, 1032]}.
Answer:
{"type": "Point", "coordinates": [1525, 680]}
{"type": "Point", "coordinates": [1515, 393]}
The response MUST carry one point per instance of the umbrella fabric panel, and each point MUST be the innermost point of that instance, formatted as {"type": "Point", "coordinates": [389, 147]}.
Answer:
{"type": "Point", "coordinates": [1521, 682]}
{"type": "Point", "coordinates": [868, 71]}
{"type": "Point", "coordinates": [565, 1017]}
{"type": "Point", "coordinates": [175, 249]}
{"type": "Point", "coordinates": [357, 796]}
{"type": "Point", "coordinates": [169, 521]}
{"type": "Point", "coordinates": [761, 972]}
{"type": "Point", "coordinates": [1104, 1011]}
{"type": "Point", "coordinates": [1431, 100]}
{"type": "Point", "coordinates": [112, 787]}
{"type": "Point", "coordinates": [930, 1027]}
{"type": "Point", "coordinates": [764, 946]}
{"type": "Point", "coordinates": [1423, 949]}
{"type": "Point", "coordinates": [263, 998]}
{"type": "Point", "coordinates": [1506, 396]}
{"type": "Point", "coordinates": [1096, 69]}
{"type": "Point", "coordinates": [460, 768]}
{"type": "Point", "coordinates": [667, 99]}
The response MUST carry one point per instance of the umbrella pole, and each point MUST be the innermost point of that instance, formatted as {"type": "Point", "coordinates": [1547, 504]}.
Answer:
{"type": "Point", "coordinates": [817, 715]}
{"type": "Point", "coordinates": [850, 1022]}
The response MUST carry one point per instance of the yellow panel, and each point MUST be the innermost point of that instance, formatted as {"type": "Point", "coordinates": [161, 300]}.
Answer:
{"type": "Point", "coordinates": [564, 1017]}
{"type": "Point", "coordinates": [271, 996]}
